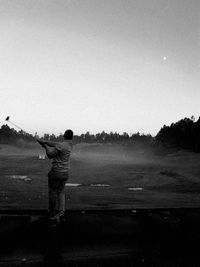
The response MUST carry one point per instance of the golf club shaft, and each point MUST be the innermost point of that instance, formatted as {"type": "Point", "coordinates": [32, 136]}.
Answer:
{"type": "Point", "coordinates": [8, 120]}
{"type": "Point", "coordinates": [16, 126]}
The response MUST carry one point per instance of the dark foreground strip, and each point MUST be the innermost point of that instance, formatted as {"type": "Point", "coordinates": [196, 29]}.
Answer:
{"type": "Point", "coordinates": [142, 237]}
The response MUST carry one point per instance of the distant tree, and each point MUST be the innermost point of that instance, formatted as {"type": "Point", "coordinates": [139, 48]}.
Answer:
{"type": "Point", "coordinates": [52, 137]}
{"type": "Point", "coordinates": [9, 135]}
{"type": "Point", "coordinates": [183, 134]}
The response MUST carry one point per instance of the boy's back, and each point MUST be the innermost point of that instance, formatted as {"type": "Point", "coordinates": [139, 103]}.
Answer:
{"type": "Point", "coordinates": [60, 162]}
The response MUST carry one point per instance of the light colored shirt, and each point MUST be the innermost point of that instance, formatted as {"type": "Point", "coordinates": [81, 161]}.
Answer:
{"type": "Point", "coordinates": [61, 156]}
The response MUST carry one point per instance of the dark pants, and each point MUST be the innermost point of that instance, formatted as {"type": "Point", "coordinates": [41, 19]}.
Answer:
{"type": "Point", "coordinates": [56, 183]}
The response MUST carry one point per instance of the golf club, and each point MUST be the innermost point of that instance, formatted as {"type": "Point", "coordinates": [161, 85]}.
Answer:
{"type": "Point", "coordinates": [8, 120]}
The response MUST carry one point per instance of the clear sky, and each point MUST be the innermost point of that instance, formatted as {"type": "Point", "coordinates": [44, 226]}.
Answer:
{"type": "Point", "coordinates": [93, 65]}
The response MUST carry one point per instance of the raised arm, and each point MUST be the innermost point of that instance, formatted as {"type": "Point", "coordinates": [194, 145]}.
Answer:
{"type": "Point", "coordinates": [49, 143]}
{"type": "Point", "coordinates": [51, 152]}
{"type": "Point", "coordinates": [45, 142]}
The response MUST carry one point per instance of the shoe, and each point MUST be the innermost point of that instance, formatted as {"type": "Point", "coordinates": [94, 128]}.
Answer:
{"type": "Point", "coordinates": [52, 222]}
{"type": "Point", "coordinates": [62, 219]}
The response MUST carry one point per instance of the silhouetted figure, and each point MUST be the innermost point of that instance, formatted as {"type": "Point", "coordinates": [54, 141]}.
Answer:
{"type": "Point", "coordinates": [59, 152]}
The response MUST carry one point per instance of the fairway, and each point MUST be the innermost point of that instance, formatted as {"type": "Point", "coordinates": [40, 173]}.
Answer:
{"type": "Point", "coordinates": [102, 176]}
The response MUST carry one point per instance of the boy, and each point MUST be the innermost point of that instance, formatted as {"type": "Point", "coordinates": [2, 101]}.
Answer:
{"type": "Point", "coordinates": [59, 152]}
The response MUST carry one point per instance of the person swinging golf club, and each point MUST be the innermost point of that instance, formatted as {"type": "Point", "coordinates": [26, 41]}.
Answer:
{"type": "Point", "coordinates": [59, 152]}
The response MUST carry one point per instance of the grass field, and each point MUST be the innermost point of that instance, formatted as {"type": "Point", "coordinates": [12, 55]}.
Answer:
{"type": "Point", "coordinates": [131, 178]}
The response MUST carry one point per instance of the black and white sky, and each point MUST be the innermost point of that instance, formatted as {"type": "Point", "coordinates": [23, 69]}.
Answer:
{"type": "Point", "coordinates": [93, 65]}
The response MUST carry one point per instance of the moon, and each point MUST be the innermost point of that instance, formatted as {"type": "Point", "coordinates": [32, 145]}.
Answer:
{"type": "Point", "coordinates": [164, 58]}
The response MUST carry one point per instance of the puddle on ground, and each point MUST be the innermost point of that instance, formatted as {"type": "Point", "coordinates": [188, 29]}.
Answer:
{"type": "Point", "coordinates": [70, 184]}
{"type": "Point", "coordinates": [93, 185]}
{"type": "Point", "coordinates": [135, 188]}
{"type": "Point", "coordinates": [100, 185]}
{"type": "Point", "coordinates": [20, 177]}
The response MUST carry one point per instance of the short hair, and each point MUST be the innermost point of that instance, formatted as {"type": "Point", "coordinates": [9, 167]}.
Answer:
{"type": "Point", "coordinates": [68, 135]}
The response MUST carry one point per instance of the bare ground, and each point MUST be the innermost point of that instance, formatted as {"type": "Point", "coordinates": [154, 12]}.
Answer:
{"type": "Point", "coordinates": [136, 178]}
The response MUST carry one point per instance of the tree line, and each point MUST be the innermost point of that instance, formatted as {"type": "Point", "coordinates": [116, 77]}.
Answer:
{"type": "Point", "coordinates": [184, 134]}
{"type": "Point", "coordinates": [11, 136]}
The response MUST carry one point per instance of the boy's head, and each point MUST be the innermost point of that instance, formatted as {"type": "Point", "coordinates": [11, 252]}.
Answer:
{"type": "Point", "coordinates": [68, 135]}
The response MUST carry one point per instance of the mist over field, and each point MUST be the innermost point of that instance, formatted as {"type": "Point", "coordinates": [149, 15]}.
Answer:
{"type": "Point", "coordinates": [108, 176]}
